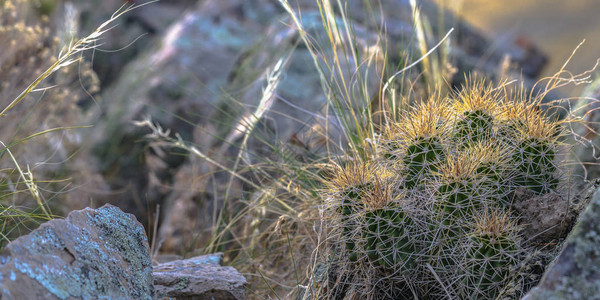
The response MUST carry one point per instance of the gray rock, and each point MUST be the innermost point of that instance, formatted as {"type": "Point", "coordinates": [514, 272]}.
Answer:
{"type": "Point", "coordinates": [575, 273]}
{"type": "Point", "coordinates": [179, 77]}
{"type": "Point", "coordinates": [142, 25]}
{"type": "Point", "coordinates": [93, 253]}
{"type": "Point", "coordinates": [200, 277]}
{"type": "Point", "coordinates": [586, 151]}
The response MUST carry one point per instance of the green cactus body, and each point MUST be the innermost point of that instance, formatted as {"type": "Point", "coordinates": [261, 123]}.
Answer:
{"type": "Point", "coordinates": [351, 204]}
{"type": "Point", "coordinates": [390, 149]}
{"type": "Point", "coordinates": [475, 126]}
{"type": "Point", "coordinates": [456, 201]}
{"type": "Point", "coordinates": [536, 170]}
{"type": "Point", "coordinates": [352, 198]}
{"type": "Point", "coordinates": [388, 242]}
{"type": "Point", "coordinates": [420, 160]}
{"type": "Point", "coordinates": [488, 262]}
{"type": "Point", "coordinates": [496, 182]}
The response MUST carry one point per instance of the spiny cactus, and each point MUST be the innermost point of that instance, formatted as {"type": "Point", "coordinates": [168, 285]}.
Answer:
{"type": "Point", "coordinates": [534, 140]}
{"type": "Point", "coordinates": [386, 231]}
{"type": "Point", "coordinates": [490, 256]}
{"type": "Point", "coordinates": [476, 110]}
{"type": "Point", "coordinates": [434, 201]}
{"type": "Point", "coordinates": [494, 167]}
{"type": "Point", "coordinates": [418, 141]}
{"type": "Point", "coordinates": [459, 193]}
{"type": "Point", "coordinates": [350, 186]}
{"type": "Point", "coordinates": [420, 160]}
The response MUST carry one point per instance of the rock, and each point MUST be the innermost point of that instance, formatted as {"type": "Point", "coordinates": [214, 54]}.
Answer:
{"type": "Point", "coordinates": [586, 150]}
{"type": "Point", "coordinates": [575, 273]}
{"type": "Point", "coordinates": [93, 253]}
{"type": "Point", "coordinates": [200, 277]}
{"type": "Point", "coordinates": [142, 25]}
{"type": "Point", "coordinates": [545, 217]}
{"type": "Point", "coordinates": [180, 77]}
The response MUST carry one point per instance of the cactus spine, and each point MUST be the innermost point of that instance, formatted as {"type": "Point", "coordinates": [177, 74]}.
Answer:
{"type": "Point", "coordinates": [535, 140]}
{"type": "Point", "coordinates": [491, 255]}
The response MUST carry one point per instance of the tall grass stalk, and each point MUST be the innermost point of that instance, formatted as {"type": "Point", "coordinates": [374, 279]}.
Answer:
{"type": "Point", "coordinates": [244, 127]}
{"type": "Point", "coordinates": [352, 112]}
{"type": "Point", "coordinates": [67, 56]}
{"type": "Point", "coordinates": [10, 216]}
{"type": "Point", "coordinates": [351, 100]}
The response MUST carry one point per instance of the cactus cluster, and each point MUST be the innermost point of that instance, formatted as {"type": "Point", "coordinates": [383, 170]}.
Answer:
{"type": "Point", "coordinates": [429, 214]}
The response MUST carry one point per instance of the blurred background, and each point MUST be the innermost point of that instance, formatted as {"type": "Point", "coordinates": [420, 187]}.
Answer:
{"type": "Point", "coordinates": [555, 26]}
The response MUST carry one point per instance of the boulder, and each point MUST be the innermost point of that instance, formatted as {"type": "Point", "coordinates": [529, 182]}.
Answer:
{"type": "Point", "coordinates": [200, 277]}
{"type": "Point", "coordinates": [142, 25]}
{"type": "Point", "coordinates": [586, 150]}
{"type": "Point", "coordinates": [104, 253]}
{"type": "Point", "coordinates": [179, 77]}
{"type": "Point", "coordinates": [575, 273]}
{"type": "Point", "coordinates": [93, 253]}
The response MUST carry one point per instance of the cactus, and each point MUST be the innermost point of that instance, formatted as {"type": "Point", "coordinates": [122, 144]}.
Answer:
{"type": "Point", "coordinates": [351, 186]}
{"type": "Point", "coordinates": [348, 187]}
{"type": "Point", "coordinates": [458, 195]}
{"type": "Point", "coordinates": [475, 126]}
{"type": "Point", "coordinates": [418, 140]}
{"type": "Point", "coordinates": [491, 255]}
{"type": "Point", "coordinates": [386, 233]}
{"type": "Point", "coordinates": [476, 109]}
{"type": "Point", "coordinates": [420, 160]}
{"type": "Point", "coordinates": [534, 139]}
{"type": "Point", "coordinates": [535, 160]}
{"type": "Point", "coordinates": [495, 169]}
{"type": "Point", "coordinates": [434, 201]}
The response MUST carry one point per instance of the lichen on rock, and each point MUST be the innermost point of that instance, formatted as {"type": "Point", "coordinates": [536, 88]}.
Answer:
{"type": "Point", "coordinates": [575, 273]}
{"type": "Point", "coordinates": [100, 253]}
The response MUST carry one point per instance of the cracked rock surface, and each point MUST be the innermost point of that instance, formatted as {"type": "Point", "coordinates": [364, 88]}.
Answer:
{"type": "Point", "coordinates": [200, 277]}
{"type": "Point", "coordinates": [104, 254]}
{"type": "Point", "coordinates": [93, 253]}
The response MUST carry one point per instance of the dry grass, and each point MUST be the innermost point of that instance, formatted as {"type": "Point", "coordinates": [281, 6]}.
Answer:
{"type": "Point", "coordinates": [41, 118]}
